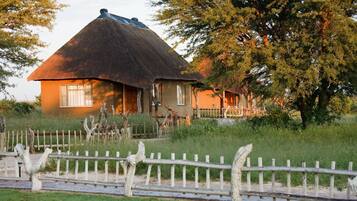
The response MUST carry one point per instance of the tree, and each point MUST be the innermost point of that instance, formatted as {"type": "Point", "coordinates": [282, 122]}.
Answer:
{"type": "Point", "coordinates": [18, 41]}
{"type": "Point", "coordinates": [303, 50]}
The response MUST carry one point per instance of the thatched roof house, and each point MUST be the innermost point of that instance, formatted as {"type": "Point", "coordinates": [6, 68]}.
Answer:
{"type": "Point", "coordinates": [117, 61]}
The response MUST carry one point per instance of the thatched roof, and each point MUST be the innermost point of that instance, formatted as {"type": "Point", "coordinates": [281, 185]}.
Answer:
{"type": "Point", "coordinates": [117, 49]}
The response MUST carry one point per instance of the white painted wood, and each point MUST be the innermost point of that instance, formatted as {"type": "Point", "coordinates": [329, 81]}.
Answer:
{"type": "Point", "coordinates": [76, 166]}
{"type": "Point", "coordinates": [288, 177]}
{"type": "Point", "coordinates": [57, 140]}
{"type": "Point", "coordinates": [5, 170]}
{"type": "Point", "coordinates": [96, 167]}
{"type": "Point", "coordinates": [51, 139]}
{"type": "Point", "coordinates": [184, 171]}
{"type": "Point", "coordinates": [208, 177]}
{"type": "Point", "coordinates": [75, 137]}
{"type": "Point", "coordinates": [172, 171]}
{"type": "Point", "coordinates": [273, 176]}
{"type": "Point", "coordinates": [221, 173]}
{"type": "Point", "coordinates": [63, 139]}
{"type": "Point", "coordinates": [106, 167]}
{"type": "Point", "coordinates": [196, 171]}
{"type": "Point", "coordinates": [148, 174]}
{"type": "Point", "coordinates": [158, 170]}
{"type": "Point", "coordinates": [304, 179]}
{"type": "Point", "coordinates": [58, 164]}
{"type": "Point", "coordinates": [86, 153]}
{"type": "Point", "coordinates": [69, 140]}
{"type": "Point", "coordinates": [26, 139]}
{"type": "Point", "coordinates": [67, 166]}
{"type": "Point", "coordinates": [38, 139]}
{"type": "Point", "coordinates": [249, 187]}
{"type": "Point", "coordinates": [350, 168]}
{"type": "Point", "coordinates": [317, 165]}
{"type": "Point", "coordinates": [261, 176]}
{"type": "Point", "coordinates": [117, 166]}
{"type": "Point", "coordinates": [332, 180]}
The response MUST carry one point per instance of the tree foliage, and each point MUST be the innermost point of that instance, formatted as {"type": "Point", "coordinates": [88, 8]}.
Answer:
{"type": "Point", "coordinates": [18, 40]}
{"type": "Point", "coordinates": [300, 50]}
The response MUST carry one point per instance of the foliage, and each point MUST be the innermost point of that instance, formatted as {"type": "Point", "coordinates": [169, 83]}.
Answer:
{"type": "Point", "coordinates": [11, 107]}
{"type": "Point", "coordinates": [303, 51]}
{"type": "Point", "coordinates": [16, 195]}
{"type": "Point", "coordinates": [275, 116]}
{"type": "Point", "coordinates": [340, 105]}
{"type": "Point", "coordinates": [18, 42]}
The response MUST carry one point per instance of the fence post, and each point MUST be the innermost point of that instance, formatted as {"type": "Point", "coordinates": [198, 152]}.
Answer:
{"type": "Point", "coordinates": [2, 134]}
{"type": "Point", "coordinates": [130, 163]}
{"type": "Point", "coordinates": [236, 172]}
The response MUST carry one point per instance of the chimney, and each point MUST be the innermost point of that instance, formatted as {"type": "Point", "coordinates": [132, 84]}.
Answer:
{"type": "Point", "coordinates": [103, 11]}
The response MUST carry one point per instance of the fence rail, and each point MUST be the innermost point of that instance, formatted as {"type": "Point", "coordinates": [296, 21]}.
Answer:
{"type": "Point", "coordinates": [180, 176]}
{"type": "Point", "coordinates": [228, 112]}
{"type": "Point", "coordinates": [67, 139]}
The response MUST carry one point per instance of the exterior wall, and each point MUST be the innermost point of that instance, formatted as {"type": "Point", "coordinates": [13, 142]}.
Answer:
{"type": "Point", "coordinates": [169, 99]}
{"type": "Point", "coordinates": [102, 91]}
{"type": "Point", "coordinates": [208, 99]}
{"type": "Point", "coordinates": [130, 97]}
{"type": "Point", "coordinates": [122, 98]}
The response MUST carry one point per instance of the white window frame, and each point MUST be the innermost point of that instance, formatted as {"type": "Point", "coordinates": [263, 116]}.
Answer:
{"type": "Point", "coordinates": [75, 95]}
{"type": "Point", "coordinates": [181, 94]}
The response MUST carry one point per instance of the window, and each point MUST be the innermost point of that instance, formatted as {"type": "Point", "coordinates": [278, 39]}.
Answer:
{"type": "Point", "coordinates": [181, 94]}
{"type": "Point", "coordinates": [156, 93]}
{"type": "Point", "coordinates": [76, 96]}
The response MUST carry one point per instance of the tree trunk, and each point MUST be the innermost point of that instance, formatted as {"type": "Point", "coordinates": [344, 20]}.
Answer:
{"type": "Point", "coordinates": [305, 107]}
{"type": "Point", "coordinates": [323, 101]}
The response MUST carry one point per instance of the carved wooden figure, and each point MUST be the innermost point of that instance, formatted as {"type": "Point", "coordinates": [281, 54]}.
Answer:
{"type": "Point", "coordinates": [130, 163]}
{"type": "Point", "coordinates": [32, 169]}
{"type": "Point", "coordinates": [236, 174]}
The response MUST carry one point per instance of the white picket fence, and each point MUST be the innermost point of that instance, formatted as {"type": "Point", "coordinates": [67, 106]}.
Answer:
{"type": "Point", "coordinates": [182, 178]}
{"type": "Point", "coordinates": [66, 140]}
{"type": "Point", "coordinates": [228, 112]}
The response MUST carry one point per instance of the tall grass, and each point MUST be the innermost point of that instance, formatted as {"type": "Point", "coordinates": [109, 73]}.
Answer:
{"type": "Point", "coordinates": [327, 143]}
{"type": "Point", "coordinates": [37, 121]}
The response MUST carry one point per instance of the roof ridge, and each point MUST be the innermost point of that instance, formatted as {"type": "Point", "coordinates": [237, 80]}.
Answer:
{"type": "Point", "coordinates": [123, 20]}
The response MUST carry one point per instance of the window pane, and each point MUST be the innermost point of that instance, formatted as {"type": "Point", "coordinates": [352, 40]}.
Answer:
{"type": "Point", "coordinates": [75, 95]}
{"type": "Point", "coordinates": [180, 95]}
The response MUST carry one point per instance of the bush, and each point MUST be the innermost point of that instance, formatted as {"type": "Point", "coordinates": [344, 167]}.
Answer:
{"type": "Point", "coordinates": [11, 107]}
{"type": "Point", "coordinates": [276, 117]}
{"type": "Point", "coordinates": [340, 105]}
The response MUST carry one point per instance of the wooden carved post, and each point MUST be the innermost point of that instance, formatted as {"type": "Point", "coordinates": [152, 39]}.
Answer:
{"type": "Point", "coordinates": [31, 141]}
{"type": "Point", "coordinates": [32, 169]}
{"type": "Point", "coordinates": [89, 130]}
{"type": "Point", "coordinates": [130, 163]}
{"type": "Point", "coordinates": [2, 134]}
{"type": "Point", "coordinates": [138, 100]}
{"type": "Point", "coordinates": [195, 94]}
{"type": "Point", "coordinates": [236, 173]}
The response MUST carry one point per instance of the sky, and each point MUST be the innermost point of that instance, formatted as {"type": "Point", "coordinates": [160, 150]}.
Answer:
{"type": "Point", "coordinates": [69, 21]}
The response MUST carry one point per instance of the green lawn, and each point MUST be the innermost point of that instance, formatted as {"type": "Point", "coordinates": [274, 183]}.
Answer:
{"type": "Point", "coordinates": [21, 195]}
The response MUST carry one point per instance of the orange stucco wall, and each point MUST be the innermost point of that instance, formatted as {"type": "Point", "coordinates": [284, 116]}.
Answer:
{"type": "Point", "coordinates": [102, 91]}
{"type": "Point", "coordinates": [208, 99]}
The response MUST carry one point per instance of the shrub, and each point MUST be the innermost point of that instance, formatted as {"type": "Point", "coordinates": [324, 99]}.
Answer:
{"type": "Point", "coordinates": [276, 117]}
{"type": "Point", "coordinates": [11, 107]}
